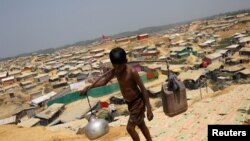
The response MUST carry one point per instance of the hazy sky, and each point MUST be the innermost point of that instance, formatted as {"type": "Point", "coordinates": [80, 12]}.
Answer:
{"type": "Point", "coordinates": [30, 25]}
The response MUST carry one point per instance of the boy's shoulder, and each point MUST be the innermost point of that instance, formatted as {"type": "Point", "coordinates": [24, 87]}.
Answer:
{"type": "Point", "coordinates": [130, 68]}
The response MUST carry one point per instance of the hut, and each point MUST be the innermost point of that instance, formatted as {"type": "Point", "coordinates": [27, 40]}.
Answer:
{"type": "Point", "coordinates": [133, 38]}
{"type": "Point", "coordinates": [8, 81]}
{"type": "Point", "coordinates": [207, 43]}
{"type": "Point", "coordinates": [98, 55]}
{"type": "Point", "coordinates": [40, 101]}
{"type": "Point", "coordinates": [242, 74]}
{"type": "Point", "coordinates": [9, 120]}
{"type": "Point", "coordinates": [96, 51]}
{"type": "Point", "coordinates": [233, 48]}
{"type": "Point", "coordinates": [54, 78]}
{"type": "Point", "coordinates": [244, 40]}
{"type": "Point", "coordinates": [245, 51]}
{"type": "Point", "coordinates": [180, 52]}
{"type": "Point", "coordinates": [142, 36]}
{"type": "Point", "coordinates": [139, 49]}
{"type": "Point", "coordinates": [225, 53]}
{"type": "Point", "coordinates": [27, 85]}
{"type": "Point", "coordinates": [26, 76]}
{"type": "Point", "coordinates": [34, 94]}
{"type": "Point", "coordinates": [122, 40]}
{"type": "Point", "coordinates": [42, 78]}
{"type": "Point", "coordinates": [155, 91]}
{"type": "Point", "coordinates": [81, 76]}
{"type": "Point", "coordinates": [60, 83]}
{"type": "Point", "coordinates": [29, 123]}
{"type": "Point", "coordinates": [233, 69]}
{"type": "Point", "coordinates": [174, 68]}
{"type": "Point", "coordinates": [232, 61]}
{"type": "Point", "coordinates": [3, 75]}
{"type": "Point", "coordinates": [150, 54]}
{"type": "Point", "coordinates": [62, 74]}
{"type": "Point", "coordinates": [211, 58]}
{"type": "Point", "coordinates": [74, 73]}
{"type": "Point", "coordinates": [193, 78]}
{"type": "Point", "coordinates": [51, 113]}
{"type": "Point", "coordinates": [14, 73]}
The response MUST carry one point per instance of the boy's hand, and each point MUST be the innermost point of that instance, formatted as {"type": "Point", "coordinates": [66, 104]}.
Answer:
{"type": "Point", "coordinates": [150, 115]}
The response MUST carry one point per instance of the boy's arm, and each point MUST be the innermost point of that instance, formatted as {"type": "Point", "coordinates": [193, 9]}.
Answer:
{"type": "Point", "coordinates": [101, 81]}
{"type": "Point", "coordinates": [144, 93]}
{"type": "Point", "coordinates": [104, 79]}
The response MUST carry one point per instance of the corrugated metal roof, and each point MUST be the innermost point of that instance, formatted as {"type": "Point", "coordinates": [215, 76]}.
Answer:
{"type": "Point", "coordinates": [176, 49]}
{"type": "Point", "coordinates": [213, 55]}
{"type": "Point", "coordinates": [8, 120]}
{"type": "Point", "coordinates": [8, 78]}
{"type": "Point", "coordinates": [62, 73]}
{"type": "Point", "coordinates": [221, 51]}
{"type": "Point", "coordinates": [246, 49]}
{"type": "Point", "coordinates": [214, 66]}
{"type": "Point", "coordinates": [244, 39]}
{"type": "Point", "coordinates": [50, 111]}
{"type": "Point", "coordinates": [29, 123]}
{"type": "Point", "coordinates": [245, 71]}
{"type": "Point", "coordinates": [78, 85]}
{"type": "Point", "coordinates": [191, 74]}
{"type": "Point", "coordinates": [43, 98]}
{"type": "Point", "coordinates": [41, 75]}
{"type": "Point", "coordinates": [3, 74]}
{"type": "Point", "coordinates": [74, 111]}
{"type": "Point", "coordinates": [232, 46]}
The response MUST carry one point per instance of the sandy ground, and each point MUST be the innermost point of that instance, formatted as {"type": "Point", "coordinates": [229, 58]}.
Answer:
{"type": "Point", "coordinates": [14, 133]}
{"type": "Point", "coordinates": [39, 133]}
{"type": "Point", "coordinates": [233, 30]}
{"type": "Point", "coordinates": [9, 106]}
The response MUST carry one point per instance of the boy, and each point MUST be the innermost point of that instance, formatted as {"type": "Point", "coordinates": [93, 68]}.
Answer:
{"type": "Point", "coordinates": [133, 91]}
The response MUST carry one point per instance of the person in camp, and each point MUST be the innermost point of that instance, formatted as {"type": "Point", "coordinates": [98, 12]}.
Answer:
{"type": "Point", "coordinates": [133, 91]}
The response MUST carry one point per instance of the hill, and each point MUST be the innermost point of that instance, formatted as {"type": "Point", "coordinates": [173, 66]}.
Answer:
{"type": "Point", "coordinates": [149, 30]}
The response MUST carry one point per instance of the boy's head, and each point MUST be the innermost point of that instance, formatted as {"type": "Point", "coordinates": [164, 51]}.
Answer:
{"type": "Point", "coordinates": [118, 56]}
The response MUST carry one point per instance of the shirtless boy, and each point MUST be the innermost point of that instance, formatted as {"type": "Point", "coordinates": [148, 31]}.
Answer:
{"type": "Point", "coordinates": [133, 91]}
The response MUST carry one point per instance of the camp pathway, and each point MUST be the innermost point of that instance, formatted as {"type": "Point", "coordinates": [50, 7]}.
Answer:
{"type": "Point", "coordinates": [229, 108]}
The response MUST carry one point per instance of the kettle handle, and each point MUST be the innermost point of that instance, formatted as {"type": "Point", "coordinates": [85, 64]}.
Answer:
{"type": "Point", "coordinates": [92, 87]}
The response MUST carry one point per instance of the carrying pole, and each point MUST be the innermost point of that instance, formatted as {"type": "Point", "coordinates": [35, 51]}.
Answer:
{"type": "Point", "coordinates": [146, 61]}
{"type": "Point", "coordinates": [168, 73]}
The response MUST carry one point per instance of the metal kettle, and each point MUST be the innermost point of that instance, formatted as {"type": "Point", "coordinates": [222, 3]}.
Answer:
{"type": "Point", "coordinates": [95, 127]}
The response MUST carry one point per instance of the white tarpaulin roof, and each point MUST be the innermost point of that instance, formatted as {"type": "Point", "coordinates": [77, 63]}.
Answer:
{"type": "Point", "coordinates": [78, 85]}
{"type": "Point", "coordinates": [43, 98]}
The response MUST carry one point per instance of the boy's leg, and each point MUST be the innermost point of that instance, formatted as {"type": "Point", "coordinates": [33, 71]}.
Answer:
{"type": "Point", "coordinates": [132, 132]}
{"type": "Point", "coordinates": [145, 131]}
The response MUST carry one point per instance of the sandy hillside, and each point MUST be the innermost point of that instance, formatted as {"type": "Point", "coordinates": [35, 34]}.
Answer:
{"type": "Point", "coordinates": [233, 30]}
{"type": "Point", "coordinates": [14, 133]}
{"type": "Point", "coordinates": [9, 106]}
{"type": "Point", "coordinates": [238, 94]}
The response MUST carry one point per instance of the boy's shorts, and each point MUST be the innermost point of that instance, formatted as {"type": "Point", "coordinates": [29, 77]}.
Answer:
{"type": "Point", "coordinates": [136, 110]}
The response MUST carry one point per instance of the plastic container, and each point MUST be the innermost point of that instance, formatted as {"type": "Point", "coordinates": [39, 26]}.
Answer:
{"type": "Point", "coordinates": [174, 102]}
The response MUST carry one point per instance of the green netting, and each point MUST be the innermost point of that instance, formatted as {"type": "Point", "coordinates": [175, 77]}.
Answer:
{"type": "Point", "coordinates": [66, 99]}
{"type": "Point", "coordinates": [95, 92]}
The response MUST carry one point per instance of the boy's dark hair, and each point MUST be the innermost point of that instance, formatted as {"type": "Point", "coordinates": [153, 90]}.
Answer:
{"type": "Point", "coordinates": [118, 56]}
